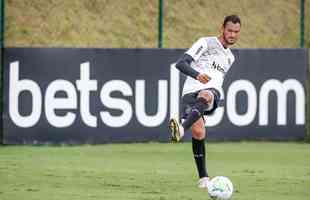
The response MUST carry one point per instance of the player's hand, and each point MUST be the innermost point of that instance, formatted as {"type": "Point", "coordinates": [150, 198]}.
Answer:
{"type": "Point", "coordinates": [203, 78]}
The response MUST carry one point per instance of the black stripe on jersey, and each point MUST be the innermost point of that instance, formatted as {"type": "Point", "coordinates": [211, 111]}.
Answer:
{"type": "Point", "coordinates": [198, 50]}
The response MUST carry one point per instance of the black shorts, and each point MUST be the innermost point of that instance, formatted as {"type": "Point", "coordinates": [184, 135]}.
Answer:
{"type": "Point", "coordinates": [189, 100]}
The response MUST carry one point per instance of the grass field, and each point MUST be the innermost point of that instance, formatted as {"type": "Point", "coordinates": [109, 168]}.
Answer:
{"type": "Point", "coordinates": [259, 170]}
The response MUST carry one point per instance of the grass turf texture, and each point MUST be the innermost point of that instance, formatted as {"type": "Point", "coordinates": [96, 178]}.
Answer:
{"type": "Point", "coordinates": [258, 170]}
{"type": "Point", "coordinates": [134, 24]}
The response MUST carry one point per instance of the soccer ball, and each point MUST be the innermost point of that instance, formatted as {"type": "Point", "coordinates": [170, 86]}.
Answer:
{"type": "Point", "coordinates": [220, 188]}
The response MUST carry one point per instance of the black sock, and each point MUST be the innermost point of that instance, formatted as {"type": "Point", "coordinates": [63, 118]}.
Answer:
{"type": "Point", "coordinates": [196, 112]}
{"type": "Point", "coordinates": [199, 156]}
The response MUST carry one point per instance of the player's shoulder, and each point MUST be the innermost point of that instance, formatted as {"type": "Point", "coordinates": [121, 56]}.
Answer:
{"type": "Point", "coordinates": [212, 39]}
{"type": "Point", "coordinates": [206, 41]}
{"type": "Point", "coordinates": [202, 41]}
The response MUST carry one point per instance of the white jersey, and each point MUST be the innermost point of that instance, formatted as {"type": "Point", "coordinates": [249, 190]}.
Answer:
{"type": "Point", "coordinates": [211, 58]}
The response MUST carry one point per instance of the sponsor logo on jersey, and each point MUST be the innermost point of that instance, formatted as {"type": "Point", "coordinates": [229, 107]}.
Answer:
{"type": "Point", "coordinates": [217, 67]}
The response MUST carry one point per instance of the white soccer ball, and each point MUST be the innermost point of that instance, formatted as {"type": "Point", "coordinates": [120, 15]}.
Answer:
{"type": "Point", "coordinates": [220, 188]}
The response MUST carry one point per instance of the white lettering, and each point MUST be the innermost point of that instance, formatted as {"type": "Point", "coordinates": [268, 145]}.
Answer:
{"type": "Point", "coordinates": [85, 85]}
{"type": "Point", "coordinates": [52, 103]}
{"type": "Point", "coordinates": [174, 91]}
{"type": "Point", "coordinates": [116, 103]}
{"type": "Point", "coordinates": [16, 86]}
{"type": "Point", "coordinates": [249, 89]}
{"type": "Point", "coordinates": [159, 117]}
{"type": "Point", "coordinates": [281, 90]}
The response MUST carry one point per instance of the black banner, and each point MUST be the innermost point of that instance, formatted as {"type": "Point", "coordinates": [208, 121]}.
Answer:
{"type": "Point", "coordinates": [63, 95]}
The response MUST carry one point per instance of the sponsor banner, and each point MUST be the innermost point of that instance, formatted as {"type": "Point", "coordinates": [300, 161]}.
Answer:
{"type": "Point", "coordinates": [63, 95]}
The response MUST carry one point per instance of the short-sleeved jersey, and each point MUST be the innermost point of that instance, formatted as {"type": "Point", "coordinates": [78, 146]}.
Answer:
{"type": "Point", "coordinates": [211, 58]}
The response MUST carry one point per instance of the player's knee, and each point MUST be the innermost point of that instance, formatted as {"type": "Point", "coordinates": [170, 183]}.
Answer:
{"type": "Point", "coordinates": [198, 133]}
{"type": "Point", "coordinates": [206, 96]}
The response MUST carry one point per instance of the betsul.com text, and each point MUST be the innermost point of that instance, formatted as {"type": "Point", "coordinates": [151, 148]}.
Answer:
{"type": "Point", "coordinates": [80, 92]}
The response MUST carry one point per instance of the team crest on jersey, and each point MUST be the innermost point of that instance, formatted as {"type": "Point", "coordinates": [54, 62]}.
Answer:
{"type": "Point", "coordinates": [212, 52]}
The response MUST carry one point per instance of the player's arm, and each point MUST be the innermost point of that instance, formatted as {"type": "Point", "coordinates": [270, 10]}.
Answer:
{"type": "Point", "coordinates": [184, 65]}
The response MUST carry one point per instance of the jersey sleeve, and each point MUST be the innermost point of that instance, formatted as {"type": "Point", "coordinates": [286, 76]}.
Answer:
{"type": "Point", "coordinates": [197, 48]}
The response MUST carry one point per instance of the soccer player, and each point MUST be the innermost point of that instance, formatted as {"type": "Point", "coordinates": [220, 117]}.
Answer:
{"type": "Point", "coordinates": [205, 64]}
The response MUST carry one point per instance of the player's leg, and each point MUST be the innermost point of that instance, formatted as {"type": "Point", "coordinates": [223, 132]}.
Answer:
{"type": "Point", "coordinates": [198, 138]}
{"type": "Point", "coordinates": [199, 153]}
{"type": "Point", "coordinates": [204, 102]}
{"type": "Point", "coordinates": [176, 129]}
{"type": "Point", "coordinates": [193, 108]}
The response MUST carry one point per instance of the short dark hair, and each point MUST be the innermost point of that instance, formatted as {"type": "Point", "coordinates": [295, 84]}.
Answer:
{"type": "Point", "coordinates": [232, 18]}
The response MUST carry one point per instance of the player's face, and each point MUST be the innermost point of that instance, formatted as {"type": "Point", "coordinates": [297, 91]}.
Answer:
{"type": "Point", "coordinates": [231, 33]}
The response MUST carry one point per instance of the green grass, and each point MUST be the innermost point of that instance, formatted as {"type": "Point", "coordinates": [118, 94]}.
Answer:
{"type": "Point", "coordinates": [266, 171]}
